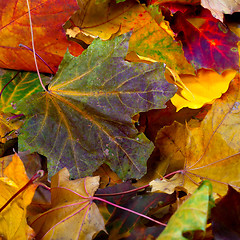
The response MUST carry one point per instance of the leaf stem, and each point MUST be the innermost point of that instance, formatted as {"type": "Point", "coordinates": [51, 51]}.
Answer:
{"type": "Point", "coordinates": [9, 82]}
{"type": "Point", "coordinates": [120, 193]}
{"type": "Point", "coordinates": [33, 48]}
{"type": "Point", "coordinates": [28, 48]}
{"type": "Point", "coordinates": [129, 210]}
{"type": "Point", "coordinates": [36, 176]}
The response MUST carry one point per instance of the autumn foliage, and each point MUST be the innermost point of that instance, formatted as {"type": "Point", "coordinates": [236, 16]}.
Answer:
{"type": "Point", "coordinates": [131, 131]}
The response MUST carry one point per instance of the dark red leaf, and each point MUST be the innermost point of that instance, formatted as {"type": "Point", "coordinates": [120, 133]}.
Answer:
{"type": "Point", "coordinates": [226, 217]}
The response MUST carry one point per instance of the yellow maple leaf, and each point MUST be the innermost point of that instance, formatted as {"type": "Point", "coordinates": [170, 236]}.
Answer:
{"type": "Point", "coordinates": [13, 223]}
{"type": "Point", "coordinates": [208, 151]}
{"type": "Point", "coordinates": [205, 87]}
{"type": "Point", "coordinates": [72, 215]}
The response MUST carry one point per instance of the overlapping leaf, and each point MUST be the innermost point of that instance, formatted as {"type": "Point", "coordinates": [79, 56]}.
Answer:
{"type": "Point", "coordinates": [202, 89]}
{"type": "Point", "coordinates": [50, 40]}
{"type": "Point", "coordinates": [150, 37]}
{"type": "Point", "coordinates": [89, 107]}
{"type": "Point", "coordinates": [13, 218]}
{"type": "Point", "coordinates": [15, 86]}
{"type": "Point", "coordinates": [209, 151]}
{"type": "Point", "coordinates": [191, 216]}
{"type": "Point", "coordinates": [73, 215]}
{"type": "Point", "coordinates": [207, 43]}
{"type": "Point", "coordinates": [220, 7]}
{"type": "Point", "coordinates": [226, 216]}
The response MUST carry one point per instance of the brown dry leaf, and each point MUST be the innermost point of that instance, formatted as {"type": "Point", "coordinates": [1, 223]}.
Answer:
{"type": "Point", "coordinates": [73, 215]}
{"type": "Point", "coordinates": [220, 7]}
{"type": "Point", "coordinates": [205, 87]}
{"type": "Point", "coordinates": [13, 224]}
{"type": "Point", "coordinates": [210, 150]}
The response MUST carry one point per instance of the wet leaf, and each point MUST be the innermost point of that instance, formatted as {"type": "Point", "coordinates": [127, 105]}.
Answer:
{"type": "Point", "coordinates": [225, 216]}
{"type": "Point", "coordinates": [13, 223]}
{"type": "Point", "coordinates": [192, 215]}
{"type": "Point", "coordinates": [206, 150]}
{"type": "Point", "coordinates": [72, 215]}
{"type": "Point", "coordinates": [207, 43]}
{"type": "Point", "coordinates": [50, 40]}
{"type": "Point", "coordinates": [220, 7]}
{"type": "Point", "coordinates": [202, 89]}
{"type": "Point", "coordinates": [89, 107]}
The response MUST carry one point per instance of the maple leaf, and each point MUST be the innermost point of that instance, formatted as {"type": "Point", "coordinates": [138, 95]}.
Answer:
{"type": "Point", "coordinates": [191, 216]}
{"type": "Point", "coordinates": [150, 36]}
{"type": "Point", "coordinates": [89, 107]}
{"type": "Point", "coordinates": [220, 7]}
{"type": "Point", "coordinates": [72, 215]}
{"type": "Point", "coordinates": [50, 41]}
{"type": "Point", "coordinates": [209, 151]}
{"type": "Point", "coordinates": [207, 43]}
{"type": "Point", "coordinates": [13, 224]}
{"type": "Point", "coordinates": [201, 89]}
{"type": "Point", "coordinates": [15, 86]}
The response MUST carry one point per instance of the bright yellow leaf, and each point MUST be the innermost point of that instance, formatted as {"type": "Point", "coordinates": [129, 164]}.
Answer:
{"type": "Point", "coordinates": [209, 151]}
{"type": "Point", "coordinates": [72, 215]}
{"type": "Point", "coordinates": [201, 89]}
{"type": "Point", "coordinates": [13, 223]}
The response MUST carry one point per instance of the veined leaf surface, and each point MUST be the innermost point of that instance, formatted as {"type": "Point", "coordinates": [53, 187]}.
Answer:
{"type": "Point", "coordinates": [89, 107]}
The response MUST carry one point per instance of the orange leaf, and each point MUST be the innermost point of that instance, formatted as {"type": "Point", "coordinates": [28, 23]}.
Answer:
{"type": "Point", "coordinates": [13, 224]}
{"type": "Point", "coordinates": [50, 40]}
{"type": "Point", "coordinates": [73, 214]}
{"type": "Point", "coordinates": [210, 150]}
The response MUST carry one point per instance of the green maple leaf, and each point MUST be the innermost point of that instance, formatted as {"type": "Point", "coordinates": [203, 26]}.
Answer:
{"type": "Point", "coordinates": [85, 118]}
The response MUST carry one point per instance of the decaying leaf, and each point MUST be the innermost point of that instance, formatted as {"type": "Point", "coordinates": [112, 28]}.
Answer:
{"type": "Point", "coordinates": [151, 36]}
{"type": "Point", "coordinates": [13, 223]}
{"type": "Point", "coordinates": [89, 107]}
{"type": "Point", "coordinates": [202, 89]}
{"type": "Point", "coordinates": [192, 215]}
{"type": "Point", "coordinates": [210, 150]}
{"type": "Point", "coordinates": [220, 7]}
{"type": "Point", "coordinates": [72, 215]}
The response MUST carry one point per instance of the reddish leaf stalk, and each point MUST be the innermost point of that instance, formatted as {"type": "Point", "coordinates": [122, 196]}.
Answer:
{"type": "Point", "coordinates": [9, 82]}
{"type": "Point", "coordinates": [129, 210]}
{"type": "Point", "coordinates": [28, 48]}
{"type": "Point", "coordinates": [33, 48]}
{"type": "Point", "coordinates": [36, 176]}
{"type": "Point", "coordinates": [120, 193]}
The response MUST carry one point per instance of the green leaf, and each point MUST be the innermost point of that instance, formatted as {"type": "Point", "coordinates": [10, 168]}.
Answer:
{"type": "Point", "coordinates": [192, 214]}
{"type": "Point", "coordinates": [85, 118]}
{"type": "Point", "coordinates": [23, 84]}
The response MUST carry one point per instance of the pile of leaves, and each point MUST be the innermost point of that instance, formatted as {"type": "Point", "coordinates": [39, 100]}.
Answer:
{"type": "Point", "coordinates": [134, 131]}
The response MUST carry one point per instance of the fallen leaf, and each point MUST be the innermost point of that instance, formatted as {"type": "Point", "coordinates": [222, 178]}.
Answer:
{"type": "Point", "coordinates": [206, 150]}
{"type": "Point", "coordinates": [13, 223]}
{"type": "Point", "coordinates": [220, 7]}
{"type": "Point", "coordinates": [151, 37]}
{"type": "Point", "coordinates": [73, 215]}
{"type": "Point", "coordinates": [50, 40]}
{"type": "Point", "coordinates": [202, 89]}
{"type": "Point", "coordinates": [192, 215]}
{"type": "Point", "coordinates": [225, 216]}
{"type": "Point", "coordinates": [89, 111]}
{"type": "Point", "coordinates": [215, 47]}
{"type": "Point", "coordinates": [16, 85]}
